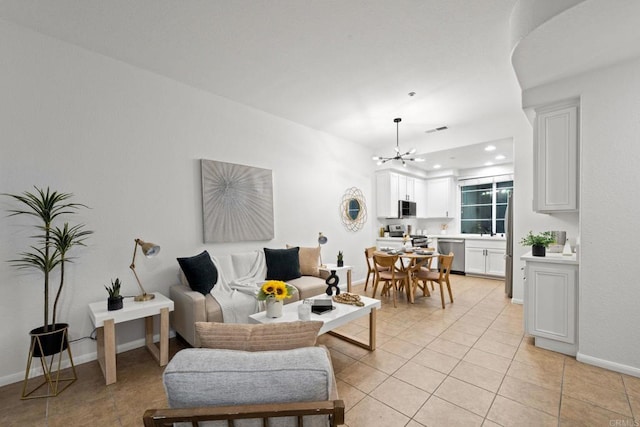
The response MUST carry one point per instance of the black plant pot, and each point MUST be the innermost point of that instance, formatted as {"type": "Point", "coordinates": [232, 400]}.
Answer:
{"type": "Point", "coordinates": [340, 263]}
{"type": "Point", "coordinates": [53, 341]}
{"type": "Point", "coordinates": [114, 303]}
{"type": "Point", "coordinates": [538, 250]}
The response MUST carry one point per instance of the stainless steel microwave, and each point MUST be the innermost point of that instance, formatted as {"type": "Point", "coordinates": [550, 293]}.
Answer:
{"type": "Point", "coordinates": [406, 209]}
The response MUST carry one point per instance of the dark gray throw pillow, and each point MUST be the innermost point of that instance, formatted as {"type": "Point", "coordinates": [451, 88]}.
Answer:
{"type": "Point", "coordinates": [282, 264]}
{"type": "Point", "coordinates": [200, 272]}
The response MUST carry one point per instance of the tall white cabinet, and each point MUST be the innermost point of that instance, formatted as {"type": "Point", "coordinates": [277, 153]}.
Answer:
{"type": "Point", "coordinates": [556, 158]}
{"type": "Point", "coordinates": [551, 302]}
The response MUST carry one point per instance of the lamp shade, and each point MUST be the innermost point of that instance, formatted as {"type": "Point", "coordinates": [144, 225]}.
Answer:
{"type": "Point", "coordinates": [149, 249]}
{"type": "Point", "coordinates": [322, 239]}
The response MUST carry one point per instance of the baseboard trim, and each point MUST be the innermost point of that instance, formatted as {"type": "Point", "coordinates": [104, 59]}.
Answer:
{"type": "Point", "coordinates": [79, 360]}
{"type": "Point", "coordinates": [607, 364]}
{"type": "Point", "coordinates": [517, 301]}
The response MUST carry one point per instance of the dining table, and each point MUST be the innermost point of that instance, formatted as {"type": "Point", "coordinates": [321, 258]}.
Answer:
{"type": "Point", "coordinates": [412, 257]}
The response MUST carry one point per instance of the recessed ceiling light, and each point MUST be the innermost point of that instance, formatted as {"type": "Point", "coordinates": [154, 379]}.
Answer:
{"type": "Point", "coordinates": [489, 164]}
{"type": "Point", "coordinates": [500, 157]}
{"type": "Point", "coordinates": [437, 166]}
{"type": "Point", "coordinates": [489, 148]}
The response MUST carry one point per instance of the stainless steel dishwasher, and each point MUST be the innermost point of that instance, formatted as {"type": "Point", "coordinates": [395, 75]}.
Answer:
{"type": "Point", "coordinates": [457, 247]}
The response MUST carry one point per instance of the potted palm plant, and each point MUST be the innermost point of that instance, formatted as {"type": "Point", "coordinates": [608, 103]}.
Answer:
{"type": "Point", "coordinates": [49, 252]}
{"type": "Point", "coordinates": [538, 242]}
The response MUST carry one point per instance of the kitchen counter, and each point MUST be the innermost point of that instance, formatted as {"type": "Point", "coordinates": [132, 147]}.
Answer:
{"type": "Point", "coordinates": [389, 239]}
{"type": "Point", "coordinates": [450, 236]}
{"type": "Point", "coordinates": [469, 237]}
{"type": "Point", "coordinates": [552, 258]}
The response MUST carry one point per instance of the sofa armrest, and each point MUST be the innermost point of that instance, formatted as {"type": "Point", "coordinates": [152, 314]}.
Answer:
{"type": "Point", "coordinates": [189, 308]}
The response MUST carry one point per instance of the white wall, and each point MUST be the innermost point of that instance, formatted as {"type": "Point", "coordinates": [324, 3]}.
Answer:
{"type": "Point", "coordinates": [610, 154]}
{"type": "Point", "coordinates": [127, 143]}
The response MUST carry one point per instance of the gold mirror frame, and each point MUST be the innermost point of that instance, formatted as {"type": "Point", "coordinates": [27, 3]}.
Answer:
{"type": "Point", "coordinates": [353, 194]}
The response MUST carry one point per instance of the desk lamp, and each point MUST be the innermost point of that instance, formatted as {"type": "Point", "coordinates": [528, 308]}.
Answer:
{"type": "Point", "coordinates": [149, 250]}
{"type": "Point", "coordinates": [322, 239]}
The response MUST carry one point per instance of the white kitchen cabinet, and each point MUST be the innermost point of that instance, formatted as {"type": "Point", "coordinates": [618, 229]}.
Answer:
{"type": "Point", "coordinates": [441, 198]}
{"type": "Point", "coordinates": [485, 257]}
{"type": "Point", "coordinates": [406, 188]}
{"type": "Point", "coordinates": [421, 198]}
{"type": "Point", "coordinates": [392, 187]}
{"type": "Point", "coordinates": [550, 302]}
{"type": "Point", "coordinates": [556, 158]}
{"type": "Point", "coordinates": [387, 194]}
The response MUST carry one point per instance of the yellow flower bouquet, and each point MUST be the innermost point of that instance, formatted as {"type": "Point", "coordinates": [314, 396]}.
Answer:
{"type": "Point", "coordinates": [275, 289]}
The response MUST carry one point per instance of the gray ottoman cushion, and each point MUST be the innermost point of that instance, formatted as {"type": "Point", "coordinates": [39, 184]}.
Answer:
{"type": "Point", "coordinates": [213, 377]}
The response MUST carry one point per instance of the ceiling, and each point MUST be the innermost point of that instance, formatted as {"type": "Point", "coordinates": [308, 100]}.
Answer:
{"type": "Point", "coordinates": [484, 154]}
{"type": "Point", "coordinates": [342, 67]}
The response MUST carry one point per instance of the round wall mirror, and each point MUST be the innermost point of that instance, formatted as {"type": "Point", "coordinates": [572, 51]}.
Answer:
{"type": "Point", "coordinates": [353, 209]}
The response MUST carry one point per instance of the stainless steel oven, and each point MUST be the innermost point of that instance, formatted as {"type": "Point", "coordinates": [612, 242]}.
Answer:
{"type": "Point", "coordinates": [457, 247]}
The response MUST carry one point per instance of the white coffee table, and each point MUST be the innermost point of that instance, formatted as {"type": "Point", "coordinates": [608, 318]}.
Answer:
{"type": "Point", "coordinates": [340, 316]}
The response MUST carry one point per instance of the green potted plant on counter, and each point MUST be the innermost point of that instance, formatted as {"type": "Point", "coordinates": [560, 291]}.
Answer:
{"type": "Point", "coordinates": [538, 242]}
{"type": "Point", "coordinates": [114, 302]}
{"type": "Point", "coordinates": [340, 259]}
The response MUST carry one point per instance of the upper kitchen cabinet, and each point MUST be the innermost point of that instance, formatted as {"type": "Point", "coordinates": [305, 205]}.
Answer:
{"type": "Point", "coordinates": [421, 198]}
{"type": "Point", "coordinates": [556, 158]}
{"type": "Point", "coordinates": [391, 187]}
{"type": "Point", "coordinates": [407, 188]}
{"type": "Point", "coordinates": [441, 198]}
{"type": "Point", "coordinates": [387, 194]}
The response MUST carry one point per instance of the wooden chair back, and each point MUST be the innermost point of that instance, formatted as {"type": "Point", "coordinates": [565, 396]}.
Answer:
{"type": "Point", "coordinates": [371, 267]}
{"type": "Point", "coordinates": [389, 272]}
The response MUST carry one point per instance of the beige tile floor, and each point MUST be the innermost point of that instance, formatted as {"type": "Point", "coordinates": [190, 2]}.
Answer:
{"type": "Point", "coordinates": [467, 365]}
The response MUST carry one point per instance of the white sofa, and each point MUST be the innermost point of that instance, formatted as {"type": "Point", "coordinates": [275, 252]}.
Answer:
{"type": "Point", "coordinates": [191, 306]}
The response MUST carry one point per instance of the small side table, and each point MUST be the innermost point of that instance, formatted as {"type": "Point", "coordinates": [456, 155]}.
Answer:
{"type": "Point", "coordinates": [105, 321]}
{"type": "Point", "coordinates": [334, 268]}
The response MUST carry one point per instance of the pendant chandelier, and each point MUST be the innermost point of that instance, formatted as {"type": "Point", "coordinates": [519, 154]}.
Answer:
{"type": "Point", "coordinates": [401, 157]}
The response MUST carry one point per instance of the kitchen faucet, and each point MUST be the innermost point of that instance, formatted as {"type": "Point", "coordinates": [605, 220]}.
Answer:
{"type": "Point", "coordinates": [487, 231]}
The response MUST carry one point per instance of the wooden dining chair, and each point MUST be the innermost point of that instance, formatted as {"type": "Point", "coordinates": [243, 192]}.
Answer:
{"type": "Point", "coordinates": [419, 264]}
{"type": "Point", "coordinates": [441, 276]}
{"type": "Point", "coordinates": [371, 266]}
{"type": "Point", "coordinates": [394, 277]}
{"type": "Point", "coordinates": [428, 266]}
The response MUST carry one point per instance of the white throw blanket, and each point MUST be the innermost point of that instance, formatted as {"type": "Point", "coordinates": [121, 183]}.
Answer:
{"type": "Point", "coordinates": [237, 297]}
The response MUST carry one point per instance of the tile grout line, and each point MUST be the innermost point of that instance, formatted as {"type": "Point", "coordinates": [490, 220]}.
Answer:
{"type": "Point", "coordinates": [564, 367]}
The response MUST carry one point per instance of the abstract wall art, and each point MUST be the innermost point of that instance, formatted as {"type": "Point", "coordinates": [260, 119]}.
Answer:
{"type": "Point", "coordinates": [237, 202]}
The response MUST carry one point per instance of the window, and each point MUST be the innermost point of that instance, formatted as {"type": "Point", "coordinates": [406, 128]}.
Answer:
{"type": "Point", "coordinates": [484, 204]}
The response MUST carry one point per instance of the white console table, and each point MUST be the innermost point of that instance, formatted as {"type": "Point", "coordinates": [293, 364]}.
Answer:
{"type": "Point", "coordinates": [105, 321]}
